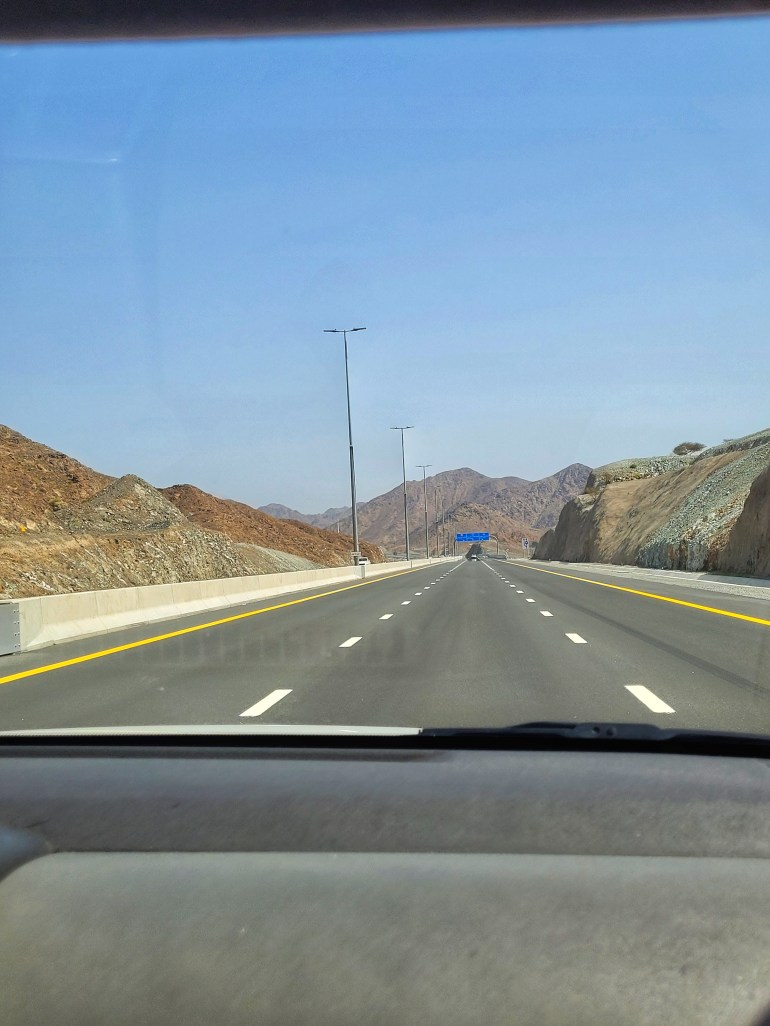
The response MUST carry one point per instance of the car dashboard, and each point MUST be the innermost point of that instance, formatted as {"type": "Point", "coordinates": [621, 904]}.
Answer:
{"type": "Point", "coordinates": [297, 883]}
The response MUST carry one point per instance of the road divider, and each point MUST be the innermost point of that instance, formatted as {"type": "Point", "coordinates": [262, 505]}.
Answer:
{"type": "Point", "coordinates": [32, 623]}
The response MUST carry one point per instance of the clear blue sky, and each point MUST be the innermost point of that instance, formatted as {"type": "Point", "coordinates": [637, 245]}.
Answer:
{"type": "Point", "coordinates": [559, 241]}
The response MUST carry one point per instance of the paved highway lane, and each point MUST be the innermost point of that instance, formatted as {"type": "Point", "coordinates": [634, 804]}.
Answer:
{"type": "Point", "coordinates": [193, 670]}
{"type": "Point", "coordinates": [702, 655]}
{"type": "Point", "coordinates": [477, 643]}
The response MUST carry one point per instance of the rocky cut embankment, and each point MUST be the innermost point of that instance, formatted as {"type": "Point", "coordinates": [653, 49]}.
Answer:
{"type": "Point", "coordinates": [67, 528]}
{"type": "Point", "coordinates": [127, 534]}
{"type": "Point", "coordinates": [700, 511]}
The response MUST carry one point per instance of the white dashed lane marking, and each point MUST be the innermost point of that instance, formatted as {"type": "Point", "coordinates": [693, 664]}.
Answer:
{"type": "Point", "coordinates": [577, 639]}
{"type": "Point", "coordinates": [406, 603]}
{"type": "Point", "coordinates": [530, 600]}
{"type": "Point", "coordinates": [350, 643]}
{"type": "Point", "coordinates": [544, 612]}
{"type": "Point", "coordinates": [646, 697]}
{"type": "Point", "coordinates": [266, 703]}
{"type": "Point", "coordinates": [386, 616]}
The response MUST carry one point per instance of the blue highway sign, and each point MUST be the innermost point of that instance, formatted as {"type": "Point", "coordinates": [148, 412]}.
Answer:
{"type": "Point", "coordinates": [477, 536]}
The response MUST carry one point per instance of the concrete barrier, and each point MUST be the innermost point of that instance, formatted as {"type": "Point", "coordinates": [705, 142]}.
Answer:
{"type": "Point", "coordinates": [32, 623]}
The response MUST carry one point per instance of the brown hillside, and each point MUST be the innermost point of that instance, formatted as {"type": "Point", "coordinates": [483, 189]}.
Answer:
{"type": "Point", "coordinates": [35, 480]}
{"type": "Point", "coordinates": [242, 523]}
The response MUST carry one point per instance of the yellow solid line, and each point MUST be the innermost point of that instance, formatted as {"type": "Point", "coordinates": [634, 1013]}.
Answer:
{"type": "Point", "coordinates": [190, 630]}
{"type": "Point", "coordinates": [649, 594]}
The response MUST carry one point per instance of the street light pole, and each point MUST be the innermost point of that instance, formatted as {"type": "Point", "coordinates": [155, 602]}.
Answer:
{"type": "Point", "coordinates": [435, 508]}
{"type": "Point", "coordinates": [425, 498]}
{"type": "Point", "coordinates": [344, 333]}
{"type": "Point", "coordinates": [407, 427]}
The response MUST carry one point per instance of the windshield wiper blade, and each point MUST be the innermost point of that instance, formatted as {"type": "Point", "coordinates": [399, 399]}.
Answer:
{"type": "Point", "coordinates": [640, 736]}
{"type": "Point", "coordinates": [556, 728]}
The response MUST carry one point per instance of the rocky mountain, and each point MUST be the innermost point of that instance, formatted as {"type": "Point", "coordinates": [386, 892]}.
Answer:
{"type": "Point", "coordinates": [509, 507]}
{"type": "Point", "coordinates": [705, 510]}
{"type": "Point", "coordinates": [65, 527]}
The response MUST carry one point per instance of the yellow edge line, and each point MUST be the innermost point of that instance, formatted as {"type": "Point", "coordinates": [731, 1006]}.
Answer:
{"type": "Point", "coordinates": [190, 630]}
{"type": "Point", "coordinates": [649, 594]}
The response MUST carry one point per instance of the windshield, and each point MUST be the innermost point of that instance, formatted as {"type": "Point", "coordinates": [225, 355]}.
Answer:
{"type": "Point", "coordinates": [386, 381]}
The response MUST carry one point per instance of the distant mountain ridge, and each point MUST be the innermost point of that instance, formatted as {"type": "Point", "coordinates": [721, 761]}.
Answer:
{"type": "Point", "coordinates": [510, 507]}
{"type": "Point", "coordinates": [327, 519]}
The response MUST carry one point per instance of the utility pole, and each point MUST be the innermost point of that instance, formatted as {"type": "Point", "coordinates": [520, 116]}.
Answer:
{"type": "Point", "coordinates": [344, 333]}
{"type": "Point", "coordinates": [443, 526]}
{"type": "Point", "coordinates": [435, 510]}
{"type": "Point", "coordinates": [425, 500]}
{"type": "Point", "coordinates": [407, 427]}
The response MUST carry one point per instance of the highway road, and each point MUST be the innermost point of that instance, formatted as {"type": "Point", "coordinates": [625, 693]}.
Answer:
{"type": "Point", "coordinates": [461, 644]}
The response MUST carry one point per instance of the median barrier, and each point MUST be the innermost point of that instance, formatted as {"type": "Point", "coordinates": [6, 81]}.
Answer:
{"type": "Point", "coordinates": [51, 619]}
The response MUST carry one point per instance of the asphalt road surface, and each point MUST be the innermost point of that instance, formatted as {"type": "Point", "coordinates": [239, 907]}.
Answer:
{"type": "Point", "coordinates": [462, 644]}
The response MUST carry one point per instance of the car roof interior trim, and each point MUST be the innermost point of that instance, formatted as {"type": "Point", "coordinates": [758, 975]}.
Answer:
{"type": "Point", "coordinates": [50, 20]}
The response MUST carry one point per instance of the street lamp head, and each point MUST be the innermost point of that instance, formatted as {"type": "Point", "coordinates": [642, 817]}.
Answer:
{"type": "Point", "coordinates": [406, 427]}
{"type": "Point", "coordinates": [340, 331]}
